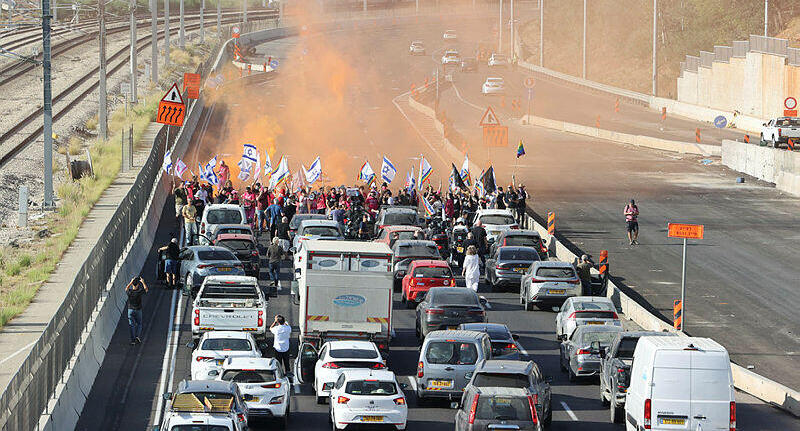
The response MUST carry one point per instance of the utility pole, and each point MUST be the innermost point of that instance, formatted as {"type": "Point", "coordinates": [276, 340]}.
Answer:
{"type": "Point", "coordinates": [541, 33]}
{"type": "Point", "coordinates": [133, 51]}
{"type": "Point", "coordinates": [154, 41]}
{"type": "Point", "coordinates": [583, 74]}
{"type": "Point", "coordinates": [766, 18]}
{"type": "Point", "coordinates": [182, 30]}
{"type": "Point", "coordinates": [655, 47]}
{"type": "Point", "coordinates": [47, 129]}
{"type": "Point", "coordinates": [365, 5]}
{"type": "Point", "coordinates": [416, 6]}
{"type": "Point", "coordinates": [244, 13]}
{"type": "Point", "coordinates": [55, 10]}
{"type": "Point", "coordinates": [102, 116]}
{"type": "Point", "coordinates": [219, 20]}
{"type": "Point", "coordinates": [512, 53]}
{"type": "Point", "coordinates": [202, 20]}
{"type": "Point", "coordinates": [500, 31]}
{"type": "Point", "coordinates": [166, 33]}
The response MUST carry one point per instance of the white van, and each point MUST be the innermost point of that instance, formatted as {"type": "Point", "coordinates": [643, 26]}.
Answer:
{"type": "Point", "coordinates": [217, 214]}
{"type": "Point", "coordinates": [680, 383]}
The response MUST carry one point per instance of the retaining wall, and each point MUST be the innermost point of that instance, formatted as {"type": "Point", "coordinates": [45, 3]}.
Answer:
{"type": "Point", "coordinates": [769, 164]}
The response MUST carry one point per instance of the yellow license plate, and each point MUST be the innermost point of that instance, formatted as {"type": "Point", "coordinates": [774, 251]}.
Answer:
{"type": "Point", "coordinates": [255, 399]}
{"type": "Point", "coordinates": [594, 322]}
{"type": "Point", "coordinates": [460, 249]}
{"type": "Point", "coordinates": [673, 421]}
{"type": "Point", "coordinates": [556, 291]}
{"type": "Point", "coordinates": [452, 327]}
{"type": "Point", "coordinates": [220, 361]}
{"type": "Point", "coordinates": [371, 418]}
{"type": "Point", "coordinates": [440, 383]}
{"type": "Point", "coordinates": [223, 269]}
{"type": "Point", "coordinates": [519, 269]}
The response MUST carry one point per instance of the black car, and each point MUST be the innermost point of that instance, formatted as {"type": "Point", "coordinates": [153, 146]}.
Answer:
{"type": "Point", "coordinates": [294, 224]}
{"type": "Point", "coordinates": [505, 266]}
{"type": "Point", "coordinates": [406, 251]}
{"type": "Point", "coordinates": [520, 238]}
{"type": "Point", "coordinates": [504, 343]}
{"type": "Point", "coordinates": [448, 307]}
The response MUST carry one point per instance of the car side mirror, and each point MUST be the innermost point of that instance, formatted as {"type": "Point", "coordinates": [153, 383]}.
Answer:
{"type": "Point", "coordinates": [292, 250]}
{"type": "Point", "coordinates": [263, 346]}
{"type": "Point", "coordinates": [403, 386]}
{"type": "Point", "coordinates": [595, 346]}
{"type": "Point", "coordinates": [191, 345]}
{"type": "Point", "coordinates": [213, 373]}
{"type": "Point", "coordinates": [454, 405]}
{"type": "Point", "coordinates": [515, 337]}
{"type": "Point", "coordinates": [764, 124]}
{"type": "Point", "coordinates": [167, 396]}
{"type": "Point", "coordinates": [483, 301]}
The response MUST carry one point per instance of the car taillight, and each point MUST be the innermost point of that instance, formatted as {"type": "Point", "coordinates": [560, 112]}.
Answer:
{"type": "Point", "coordinates": [620, 370]}
{"type": "Point", "coordinates": [733, 416]}
{"type": "Point", "coordinates": [196, 317]}
{"type": "Point", "coordinates": [204, 266]}
{"type": "Point", "coordinates": [575, 281]}
{"type": "Point", "coordinates": [378, 366]}
{"type": "Point", "coordinates": [203, 227]}
{"type": "Point", "coordinates": [241, 417]}
{"type": "Point", "coordinates": [614, 315]}
{"type": "Point", "coordinates": [498, 267]}
{"type": "Point", "coordinates": [584, 352]}
{"type": "Point", "coordinates": [473, 409]}
{"type": "Point", "coordinates": [478, 312]}
{"type": "Point", "coordinates": [434, 311]}
{"type": "Point", "coordinates": [780, 133]}
{"type": "Point", "coordinates": [238, 265]}
{"type": "Point", "coordinates": [532, 404]}
{"type": "Point", "coordinates": [420, 369]}
{"type": "Point", "coordinates": [400, 401]}
{"type": "Point", "coordinates": [260, 318]}
{"type": "Point", "coordinates": [647, 415]}
{"type": "Point", "coordinates": [514, 226]}
{"type": "Point", "coordinates": [412, 282]}
{"type": "Point", "coordinates": [203, 358]}
{"type": "Point", "coordinates": [331, 365]}
{"type": "Point", "coordinates": [510, 346]}
{"type": "Point", "coordinates": [542, 248]}
{"type": "Point", "coordinates": [254, 253]}
{"type": "Point", "coordinates": [271, 386]}
{"type": "Point", "coordinates": [342, 400]}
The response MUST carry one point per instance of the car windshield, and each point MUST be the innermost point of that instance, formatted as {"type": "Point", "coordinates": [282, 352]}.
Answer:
{"type": "Point", "coordinates": [227, 344]}
{"type": "Point", "coordinates": [522, 241]}
{"type": "Point", "coordinates": [559, 272]}
{"type": "Point", "coordinates": [519, 254]}
{"type": "Point", "coordinates": [353, 354]}
{"type": "Point", "coordinates": [454, 297]}
{"type": "Point", "coordinates": [498, 407]}
{"type": "Point", "coordinates": [199, 427]}
{"type": "Point", "coordinates": [402, 219]}
{"type": "Point", "coordinates": [370, 387]}
{"type": "Point", "coordinates": [224, 216]}
{"type": "Point", "coordinates": [297, 219]}
{"type": "Point", "coordinates": [626, 348]}
{"type": "Point", "coordinates": [249, 376]}
{"type": "Point", "coordinates": [497, 219]}
{"type": "Point", "coordinates": [493, 81]}
{"type": "Point", "coordinates": [209, 255]}
{"type": "Point", "coordinates": [432, 272]}
{"type": "Point", "coordinates": [321, 231]}
{"type": "Point", "coordinates": [603, 337]}
{"type": "Point", "coordinates": [501, 380]}
{"type": "Point", "coordinates": [451, 352]}
{"type": "Point", "coordinates": [788, 122]}
{"type": "Point", "coordinates": [417, 250]}
{"type": "Point", "coordinates": [237, 244]}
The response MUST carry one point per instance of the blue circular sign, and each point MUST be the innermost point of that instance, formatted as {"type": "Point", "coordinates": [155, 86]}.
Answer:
{"type": "Point", "coordinates": [721, 122]}
{"type": "Point", "coordinates": [273, 64]}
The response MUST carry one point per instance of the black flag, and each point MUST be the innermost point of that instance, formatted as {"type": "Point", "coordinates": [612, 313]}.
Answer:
{"type": "Point", "coordinates": [455, 178]}
{"type": "Point", "coordinates": [488, 181]}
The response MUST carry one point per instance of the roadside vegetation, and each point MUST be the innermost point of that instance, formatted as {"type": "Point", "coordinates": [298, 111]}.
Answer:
{"type": "Point", "coordinates": [26, 266]}
{"type": "Point", "coordinates": [619, 36]}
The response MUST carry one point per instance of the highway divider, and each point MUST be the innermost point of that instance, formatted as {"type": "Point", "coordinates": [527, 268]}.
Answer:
{"type": "Point", "coordinates": [773, 165]}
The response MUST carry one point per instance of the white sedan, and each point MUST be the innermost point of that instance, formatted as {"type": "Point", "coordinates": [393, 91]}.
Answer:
{"type": "Point", "coordinates": [214, 347]}
{"type": "Point", "coordinates": [336, 357]}
{"type": "Point", "coordinates": [450, 34]}
{"type": "Point", "coordinates": [498, 60]}
{"type": "Point", "coordinates": [263, 384]}
{"type": "Point", "coordinates": [416, 48]}
{"type": "Point", "coordinates": [451, 57]}
{"type": "Point", "coordinates": [493, 86]}
{"type": "Point", "coordinates": [585, 310]}
{"type": "Point", "coordinates": [366, 397]}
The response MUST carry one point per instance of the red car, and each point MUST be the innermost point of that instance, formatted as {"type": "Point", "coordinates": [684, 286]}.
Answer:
{"type": "Point", "coordinates": [245, 248]}
{"type": "Point", "coordinates": [386, 233]}
{"type": "Point", "coordinates": [421, 276]}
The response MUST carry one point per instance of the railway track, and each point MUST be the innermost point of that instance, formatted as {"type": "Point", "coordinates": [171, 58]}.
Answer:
{"type": "Point", "coordinates": [122, 57]}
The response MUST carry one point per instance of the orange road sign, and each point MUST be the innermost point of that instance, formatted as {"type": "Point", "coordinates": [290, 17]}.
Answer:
{"type": "Point", "coordinates": [790, 112]}
{"type": "Point", "coordinates": [489, 118]}
{"type": "Point", "coordinates": [171, 109]}
{"type": "Point", "coordinates": [235, 32]}
{"type": "Point", "coordinates": [688, 231]}
{"type": "Point", "coordinates": [495, 136]}
{"type": "Point", "coordinates": [191, 83]}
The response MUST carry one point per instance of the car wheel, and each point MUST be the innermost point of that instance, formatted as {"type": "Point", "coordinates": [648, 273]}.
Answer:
{"type": "Point", "coordinates": [403, 297]}
{"type": "Point", "coordinates": [614, 413]}
{"type": "Point", "coordinates": [774, 143]}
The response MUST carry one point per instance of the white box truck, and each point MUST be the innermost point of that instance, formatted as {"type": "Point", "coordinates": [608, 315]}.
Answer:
{"type": "Point", "coordinates": [680, 383]}
{"type": "Point", "coordinates": [344, 290]}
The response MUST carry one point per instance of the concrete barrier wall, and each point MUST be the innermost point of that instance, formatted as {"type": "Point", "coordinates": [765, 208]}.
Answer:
{"type": "Point", "coordinates": [773, 84]}
{"type": "Point", "coordinates": [766, 163]}
{"type": "Point", "coordinates": [751, 94]}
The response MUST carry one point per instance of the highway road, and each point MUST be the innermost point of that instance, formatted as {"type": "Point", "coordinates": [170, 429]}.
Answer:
{"type": "Point", "coordinates": [124, 395]}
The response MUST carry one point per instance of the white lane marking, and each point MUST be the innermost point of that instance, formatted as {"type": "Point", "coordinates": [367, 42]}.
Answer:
{"type": "Point", "coordinates": [569, 411]}
{"type": "Point", "coordinates": [413, 383]}
{"type": "Point", "coordinates": [162, 380]}
{"type": "Point", "coordinates": [138, 359]}
{"type": "Point", "coordinates": [176, 329]}
{"type": "Point", "coordinates": [28, 346]}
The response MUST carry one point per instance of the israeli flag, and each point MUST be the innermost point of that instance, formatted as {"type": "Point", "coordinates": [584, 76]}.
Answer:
{"type": "Point", "coordinates": [180, 168]}
{"type": "Point", "coordinates": [267, 164]}
{"type": "Point", "coordinates": [167, 165]}
{"type": "Point", "coordinates": [366, 174]}
{"type": "Point", "coordinates": [244, 169]}
{"type": "Point", "coordinates": [250, 153]}
{"type": "Point", "coordinates": [314, 172]}
{"type": "Point", "coordinates": [388, 172]}
{"type": "Point", "coordinates": [208, 172]}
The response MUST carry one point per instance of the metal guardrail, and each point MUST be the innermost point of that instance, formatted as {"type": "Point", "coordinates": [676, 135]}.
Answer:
{"type": "Point", "coordinates": [692, 63]}
{"type": "Point", "coordinates": [769, 45]}
{"type": "Point", "coordinates": [722, 54]}
{"type": "Point", "coordinates": [740, 48]}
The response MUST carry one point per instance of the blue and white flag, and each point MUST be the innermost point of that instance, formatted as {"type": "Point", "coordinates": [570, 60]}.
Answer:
{"type": "Point", "coordinates": [180, 168]}
{"type": "Point", "coordinates": [388, 172]}
{"type": "Point", "coordinates": [257, 164]}
{"type": "Point", "coordinates": [167, 165]}
{"type": "Point", "coordinates": [208, 173]}
{"type": "Point", "coordinates": [366, 173]}
{"type": "Point", "coordinates": [250, 153]}
{"type": "Point", "coordinates": [314, 172]}
{"type": "Point", "coordinates": [244, 169]}
{"type": "Point", "coordinates": [267, 164]}
{"type": "Point", "coordinates": [410, 180]}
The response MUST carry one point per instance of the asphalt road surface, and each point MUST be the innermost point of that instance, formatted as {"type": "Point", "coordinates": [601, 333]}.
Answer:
{"type": "Point", "coordinates": [125, 392]}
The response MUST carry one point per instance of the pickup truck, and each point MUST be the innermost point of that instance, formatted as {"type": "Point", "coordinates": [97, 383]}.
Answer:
{"type": "Point", "coordinates": [615, 366]}
{"type": "Point", "coordinates": [780, 130]}
{"type": "Point", "coordinates": [229, 303]}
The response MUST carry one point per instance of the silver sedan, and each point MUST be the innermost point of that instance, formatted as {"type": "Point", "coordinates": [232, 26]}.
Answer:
{"type": "Point", "coordinates": [579, 354]}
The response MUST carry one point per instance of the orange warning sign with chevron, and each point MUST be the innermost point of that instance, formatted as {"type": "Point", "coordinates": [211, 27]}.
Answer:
{"type": "Point", "coordinates": [489, 118]}
{"type": "Point", "coordinates": [171, 109]}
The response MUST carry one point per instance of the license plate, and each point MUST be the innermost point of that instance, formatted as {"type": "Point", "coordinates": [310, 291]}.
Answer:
{"type": "Point", "coordinates": [594, 322]}
{"type": "Point", "coordinates": [255, 399]}
{"type": "Point", "coordinates": [371, 418]}
{"type": "Point", "coordinates": [460, 249]}
{"type": "Point", "coordinates": [440, 383]}
{"type": "Point", "coordinates": [452, 327]}
{"type": "Point", "coordinates": [519, 269]}
{"type": "Point", "coordinates": [556, 291]}
{"type": "Point", "coordinates": [672, 421]}
{"type": "Point", "coordinates": [223, 269]}
{"type": "Point", "coordinates": [220, 361]}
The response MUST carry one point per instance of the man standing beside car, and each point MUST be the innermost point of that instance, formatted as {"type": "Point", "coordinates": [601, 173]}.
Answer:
{"type": "Point", "coordinates": [171, 263]}
{"type": "Point", "coordinates": [189, 223]}
{"type": "Point", "coordinates": [281, 333]}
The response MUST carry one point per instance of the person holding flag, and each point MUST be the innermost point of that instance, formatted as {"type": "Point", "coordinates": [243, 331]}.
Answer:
{"type": "Point", "coordinates": [224, 174]}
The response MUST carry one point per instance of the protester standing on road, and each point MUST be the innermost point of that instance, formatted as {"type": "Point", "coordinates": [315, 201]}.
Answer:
{"type": "Point", "coordinates": [479, 233]}
{"type": "Point", "coordinates": [274, 255]}
{"type": "Point", "coordinates": [585, 275]}
{"type": "Point", "coordinates": [274, 212]}
{"type": "Point", "coordinates": [471, 268]}
{"type": "Point", "coordinates": [172, 263]}
{"type": "Point", "coordinates": [281, 332]}
{"type": "Point", "coordinates": [180, 198]}
{"type": "Point", "coordinates": [224, 174]}
{"type": "Point", "coordinates": [189, 224]}
{"type": "Point", "coordinates": [135, 290]}
{"type": "Point", "coordinates": [283, 234]}
{"type": "Point", "coordinates": [262, 202]}
{"type": "Point", "coordinates": [522, 197]}
{"type": "Point", "coordinates": [632, 221]}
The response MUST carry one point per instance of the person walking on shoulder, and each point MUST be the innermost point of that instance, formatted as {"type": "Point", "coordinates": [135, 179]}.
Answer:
{"type": "Point", "coordinates": [281, 332]}
{"type": "Point", "coordinates": [632, 221]}
{"type": "Point", "coordinates": [135, 290]}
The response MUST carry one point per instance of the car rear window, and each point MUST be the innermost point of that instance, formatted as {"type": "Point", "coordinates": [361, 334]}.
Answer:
{"type": "Point", "coordinates": [497, 219]}
{"type": "Point", "coordinates": [560, 272]}
{"type": "Point", "coordinates": [417, 251]}
{"type": "Point", "coordinates": [297, 219]}
{"type": "Point", "coordinates": [321, 231]}
{"type": "Point", "coordinates": [222, 291]}
{"type": "Point", "coordinates": [198, 427]}
{"type": "Point", "coordinates": [432, 272]}
{"type": "Point", "coordinates": [788, 122]}
{"type": "Point", "coordinates": [519, 254]}
{"type": "Point", "coordinates": [248, 376]}
{"type": "Point", "coordinates": [353, 353]}
{"type": "Point", "coordinates": [497, 407]}
{"type": "Point", "coordinates": [370, 387]}
{"type": "Point", "coordinates": [602, 337]}
{"type": "Point", "coordinates": [451, 352]}
{"type": "Point", "coordinates": [626, 348]}
{"type": "Point", "coordinates": [594, 315]}
{"type": "Point", "coordinates": [402, 219]}
{"type": "Point", "coordinates": [237, 244]}
{"type": "Point", "coordinates": [234, 230]}
{"type": "Point", "coordinates": [454, 297]}
{"type": "Point", "coordinates": [501, 380]}
{"type": "Point", "coordinates": [210, 255]}
{"type": "Point", "coordinates": [227, 344]}
{"type": "Point", "coordinates": [522, 241]}
{"type": "Point", "coordinates": [405, 234]}
{"type": "Point", "coordinates": [220, 216]}
{"type": "Point", "coordinates": [498, 333]}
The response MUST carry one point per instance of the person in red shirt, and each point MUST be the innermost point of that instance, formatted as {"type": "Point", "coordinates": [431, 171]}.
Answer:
{"type": "Point", "coordinates": [249, 203]}
{"type": "Point", "coordinates": [224, 174]}
{"type": "Point", "coordinates": [321, 201]}
{"type": "Point", "coordinates": [262, 202]}
{"type": "Point", "coordinates": [372, 203]}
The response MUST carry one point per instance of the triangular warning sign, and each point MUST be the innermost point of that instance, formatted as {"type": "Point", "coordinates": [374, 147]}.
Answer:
{"type": "Point", "coordinates": [489, 118]}
{"type": "Point", "coordinates": [173, 95]}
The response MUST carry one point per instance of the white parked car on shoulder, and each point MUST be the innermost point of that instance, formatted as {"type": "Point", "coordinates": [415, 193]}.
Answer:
{"type": "Point", "coordinates": [451, 57]}
{"type": "Point", "coordinates": [264, 386]}
{"type": "Point", "coordinates": [493, 86]}
{"type": "Point", "coordinates": [417, 48]}
{"type": "Point", "coordinates": [498, 60]}
{"type": "Point", "coordinates": [215, 347]}
{"type": "Point", "coordinates": [335, 357]}
{"type": "Point", "coordinates": [368, 398]}
{"type": "Point", "coordinates": [585, 310]}
{"type": "Point", "coordinates": [450, 35]}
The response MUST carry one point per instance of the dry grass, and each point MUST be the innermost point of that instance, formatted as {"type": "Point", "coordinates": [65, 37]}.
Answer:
{"type": "Point", "coordinates": [74, 146]}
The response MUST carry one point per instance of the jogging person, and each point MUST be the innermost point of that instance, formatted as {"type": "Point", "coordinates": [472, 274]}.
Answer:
{"type": "Point", "coordinates": [632, 221]}
{"type": "Point", "coordinates": [135, 290]}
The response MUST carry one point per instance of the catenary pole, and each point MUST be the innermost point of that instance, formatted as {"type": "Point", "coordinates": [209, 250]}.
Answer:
{"type": "Point", "coordinates": [101, 88]}
{"type": "Point", "coordinates": [47, 128]}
